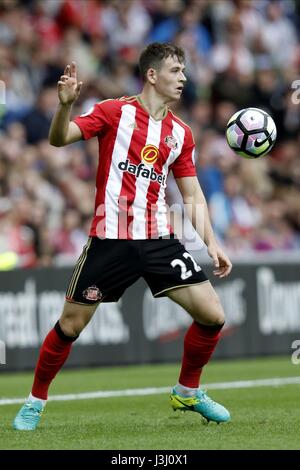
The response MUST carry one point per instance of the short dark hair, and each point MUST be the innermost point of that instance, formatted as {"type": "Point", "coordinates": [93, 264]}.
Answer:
{"type": "Point", "coordinates": [155, 53]}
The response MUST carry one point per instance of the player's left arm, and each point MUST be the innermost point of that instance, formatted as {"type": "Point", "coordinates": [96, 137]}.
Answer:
{"type": "Point", "coordinates": [196, 206]}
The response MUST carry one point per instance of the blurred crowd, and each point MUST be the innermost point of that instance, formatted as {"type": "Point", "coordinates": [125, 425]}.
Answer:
{"type": "Point", "coordinates": [239, 53]}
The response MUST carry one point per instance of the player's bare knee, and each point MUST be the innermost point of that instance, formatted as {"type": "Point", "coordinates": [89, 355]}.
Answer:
{"type": "Point", "coordinates": [217, 315]}
{"type": "Point", "coordinates": [218, 320]}
{"type": "Point", "coordinates": [75, 317]}
{"type": "Point", "coordinates": [71, 326]}
{"type": "Point", "coordinates": [72, 323]}
{"type": "Point", "coordinates": [213, 315]}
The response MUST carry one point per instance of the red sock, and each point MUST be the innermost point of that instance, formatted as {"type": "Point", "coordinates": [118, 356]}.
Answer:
{"type": "Point", "coordinates": [199, 344]}
{"type": "Point", "coordinates": [53, 354]}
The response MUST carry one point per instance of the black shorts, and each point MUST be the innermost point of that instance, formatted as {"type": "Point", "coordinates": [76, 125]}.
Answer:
{"type": "Point", "coordinates": [107, 267]}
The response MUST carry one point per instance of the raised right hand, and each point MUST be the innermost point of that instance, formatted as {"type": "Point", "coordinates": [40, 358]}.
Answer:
{"type": "Point", "coordinates": [68, 87]}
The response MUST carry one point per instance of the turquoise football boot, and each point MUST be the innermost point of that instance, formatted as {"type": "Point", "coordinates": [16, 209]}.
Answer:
{"type": "Point", "coordinates": [200, 403]}
{"type": "Point", "coordinates": [29, 416]}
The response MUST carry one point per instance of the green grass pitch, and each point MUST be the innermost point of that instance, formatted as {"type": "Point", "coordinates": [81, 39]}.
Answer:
{"type": "Point", "coordinates": [262, 417]}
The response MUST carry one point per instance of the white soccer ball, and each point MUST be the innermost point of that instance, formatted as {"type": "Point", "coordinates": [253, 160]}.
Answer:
{"type": "Point", "coordinates": [251, 133]}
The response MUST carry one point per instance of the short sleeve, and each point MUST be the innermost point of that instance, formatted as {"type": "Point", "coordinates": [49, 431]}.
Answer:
{"type": "Point", "coordinates": [95, 120]}
{"type": "Point", "coordinates": [184, 165]}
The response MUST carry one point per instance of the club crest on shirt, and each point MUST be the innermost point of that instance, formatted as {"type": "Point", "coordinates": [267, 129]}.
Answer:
{"type": "Point", "coordinates": [171, 142]}
{"type": "Point", "coordinates": [92, 293]}
{"type": "Point", "coordinates": [149, 154]}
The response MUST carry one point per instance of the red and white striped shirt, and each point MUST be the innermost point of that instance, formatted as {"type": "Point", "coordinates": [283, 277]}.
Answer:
{"type": "Point", "coordinates": [136, 153]}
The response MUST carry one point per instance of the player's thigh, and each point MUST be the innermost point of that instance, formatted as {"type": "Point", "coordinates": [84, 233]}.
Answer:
{"type": "Point", "coordinates": [75, 317]}
{"type": "Point", "coordinates": [201, 302]}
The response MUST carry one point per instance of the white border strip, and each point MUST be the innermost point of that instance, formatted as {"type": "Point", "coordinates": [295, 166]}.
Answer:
{"type": "Point", "coordinates": [273, 382]}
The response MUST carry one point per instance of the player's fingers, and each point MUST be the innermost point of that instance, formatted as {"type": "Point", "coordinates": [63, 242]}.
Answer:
{"type": "Point", "coordinates": [228, 265]}
{"type": "Point", "coordinates": [63, 78]}
{"type": "Point", "coordinates": [73, 70]}
{"type": "Point", "coordinates": [60, 83]}
{"type": "Point", "coordinates": [218, 272]}
{"type": "Point", "coordinates": [67, 70]}
{"type": "Point", "coordinates": [78, 88]}
{"type": "Point", "coordinates": [224, 268]}
{"type": "Point", "coordinates": [225, 262]}
{"type": "Point", "coordinates": [226, 271]}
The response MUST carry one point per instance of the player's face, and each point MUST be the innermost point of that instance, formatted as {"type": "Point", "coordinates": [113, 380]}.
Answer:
{"type": "Point", "coordinates": [170, 79]}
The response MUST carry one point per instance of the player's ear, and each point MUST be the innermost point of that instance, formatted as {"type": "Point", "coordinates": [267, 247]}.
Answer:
{"type": "Point", "coordinates": [152, 76]}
